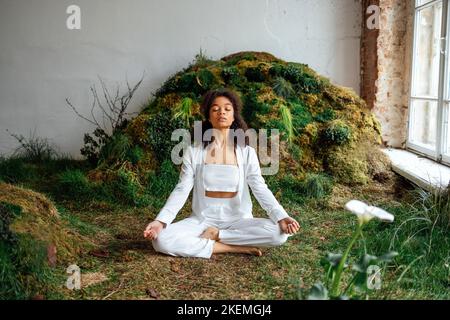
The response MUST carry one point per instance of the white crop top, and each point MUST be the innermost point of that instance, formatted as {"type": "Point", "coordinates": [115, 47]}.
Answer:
{"type": "Point", "coordinates": [221, 177]}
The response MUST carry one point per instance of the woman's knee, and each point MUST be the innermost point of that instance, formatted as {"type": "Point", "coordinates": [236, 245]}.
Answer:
{"type": "Point", "coordinates": [279, 237]}
{"type": "Point", "coordinates": [163, 243]}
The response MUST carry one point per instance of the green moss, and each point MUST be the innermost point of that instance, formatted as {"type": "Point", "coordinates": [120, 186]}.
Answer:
{"type": "Point", "coordinates": [348, 167]}
{"type": "Point", "coordinates": [24, 271]}
{"type": "Point", "coordinates": [325, 116]}
{"type": "Point", "coordinates": [235, 59]}
{"type": "Point", "coordinates": [301, 116]}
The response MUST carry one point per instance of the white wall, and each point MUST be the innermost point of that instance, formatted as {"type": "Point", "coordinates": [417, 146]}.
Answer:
{"type": "Point", "coordinates": [42, 62]}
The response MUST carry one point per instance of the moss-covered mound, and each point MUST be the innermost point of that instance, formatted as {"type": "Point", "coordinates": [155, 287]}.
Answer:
{"type": "Point", "coordinates": [33, 239]}
{"type": "Point", "coordinates": [325, 128]}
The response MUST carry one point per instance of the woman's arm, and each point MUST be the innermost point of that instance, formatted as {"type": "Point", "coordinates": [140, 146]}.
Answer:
{"type": "Point", "coordinates": [260, 190]}
{"type": "Point", "coordinates": [181, 192]}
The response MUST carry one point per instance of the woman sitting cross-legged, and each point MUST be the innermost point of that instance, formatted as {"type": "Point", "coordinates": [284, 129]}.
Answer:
{"type": "Point", "coordinates": [220, 172]}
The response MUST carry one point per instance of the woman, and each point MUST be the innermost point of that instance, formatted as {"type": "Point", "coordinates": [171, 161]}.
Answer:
{"type": "Point", "coordinates": [220, 172]}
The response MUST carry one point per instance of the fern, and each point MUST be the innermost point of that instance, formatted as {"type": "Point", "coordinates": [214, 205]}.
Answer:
{"type": "Point", "coordinates": [184, 111]}
{"type": "Point", "coordinates": [283, 88]}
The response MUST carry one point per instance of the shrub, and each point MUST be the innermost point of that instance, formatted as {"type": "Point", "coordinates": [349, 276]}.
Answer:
{"type": "Point", "coordinates": [34, 149]}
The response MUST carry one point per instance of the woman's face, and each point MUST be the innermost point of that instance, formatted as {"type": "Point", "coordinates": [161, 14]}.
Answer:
{"type": "Point", "coordinates": [221, 113]}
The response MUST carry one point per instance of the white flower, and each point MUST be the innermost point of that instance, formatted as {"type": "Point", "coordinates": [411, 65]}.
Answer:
{"type": "Point", "coordinates": [365, 213]}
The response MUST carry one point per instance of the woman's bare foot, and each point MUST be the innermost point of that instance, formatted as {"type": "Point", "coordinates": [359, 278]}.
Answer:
{"type": "Point", "coordinates": [211, 233]}
{"type": "Point", "coordinates": [255, 251]}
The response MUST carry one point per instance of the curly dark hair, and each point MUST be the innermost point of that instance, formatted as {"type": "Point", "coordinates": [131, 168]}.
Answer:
{"type": "Point", "coordinates": [238, 123]}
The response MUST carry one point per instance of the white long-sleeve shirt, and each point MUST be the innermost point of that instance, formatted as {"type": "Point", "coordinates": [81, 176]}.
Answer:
{"type": "Point", "coordinates": [191, 176]}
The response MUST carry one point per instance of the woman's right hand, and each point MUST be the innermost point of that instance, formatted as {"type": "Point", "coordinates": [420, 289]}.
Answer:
{"type": "Point", "coordinates": [153, 229]}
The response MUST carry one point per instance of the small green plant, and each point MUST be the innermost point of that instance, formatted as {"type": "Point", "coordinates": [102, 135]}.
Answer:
{"type": "Point", "coordinates": [317, 186]}
{"type": "Point", "coordinates": [183, 111]}
{"type": "Point", "coordinates": [202, 60]}
{"type": "Point", "coordinates": [34, 149]}
{"type": "Point", "coordinates": [335, 263]}
{"type": "Point", "coordinates": [283, 88]}
{"type": "Point", "coordinates": [337, 133]}
{"type": "Point", "coordinates": [435, 205]}
{"type": "Point", "coordinates": [73, 184]}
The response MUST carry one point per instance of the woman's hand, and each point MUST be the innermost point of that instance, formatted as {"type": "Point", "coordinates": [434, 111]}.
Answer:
{"type": "Point", "coordinates": [153, 229]}
{"type": "Point", "coordinates": [289, 225]}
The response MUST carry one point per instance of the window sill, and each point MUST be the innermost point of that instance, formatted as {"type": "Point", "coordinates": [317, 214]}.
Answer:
{"type": "Point", "coordinates": [423, 172]}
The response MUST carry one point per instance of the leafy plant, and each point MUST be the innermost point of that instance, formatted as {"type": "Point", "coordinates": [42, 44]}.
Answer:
{"type": "Point", "coordinates": [113, 114]}
{"type": "Point", "coordinates": [335, 263]}
{"type": "Point", "coordinates": [337, 133]}
{"type": "Point", "coordinates": [183, 111]}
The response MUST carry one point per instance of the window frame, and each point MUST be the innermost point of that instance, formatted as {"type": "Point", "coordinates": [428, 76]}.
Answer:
{"type": "Point", "coordinates": [442, 138]}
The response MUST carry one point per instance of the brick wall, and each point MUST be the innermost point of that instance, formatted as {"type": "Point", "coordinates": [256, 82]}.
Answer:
{"type": "Point", "coordinates": [385, 67]}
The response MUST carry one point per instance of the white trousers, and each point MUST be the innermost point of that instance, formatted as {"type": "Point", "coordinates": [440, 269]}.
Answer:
{"type": "Point", "coordinates": [182, 238]}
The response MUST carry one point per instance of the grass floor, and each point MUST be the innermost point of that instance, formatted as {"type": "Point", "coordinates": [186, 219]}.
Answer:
{"type": "Point", "coordinates": [125, 266]}
{"type": "Point", "coordinates": [131, 269]}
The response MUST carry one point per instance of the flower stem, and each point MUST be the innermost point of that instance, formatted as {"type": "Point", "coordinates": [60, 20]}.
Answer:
{"type": "Point", "coordinates": [340, 268]}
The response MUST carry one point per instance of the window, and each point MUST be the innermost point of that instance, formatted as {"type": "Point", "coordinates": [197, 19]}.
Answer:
{"type": "Point", "coordinates": [429, 113]}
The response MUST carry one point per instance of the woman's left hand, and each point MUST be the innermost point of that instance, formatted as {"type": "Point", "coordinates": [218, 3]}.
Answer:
{"type": "Point", "coordinates": [289, 225]}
